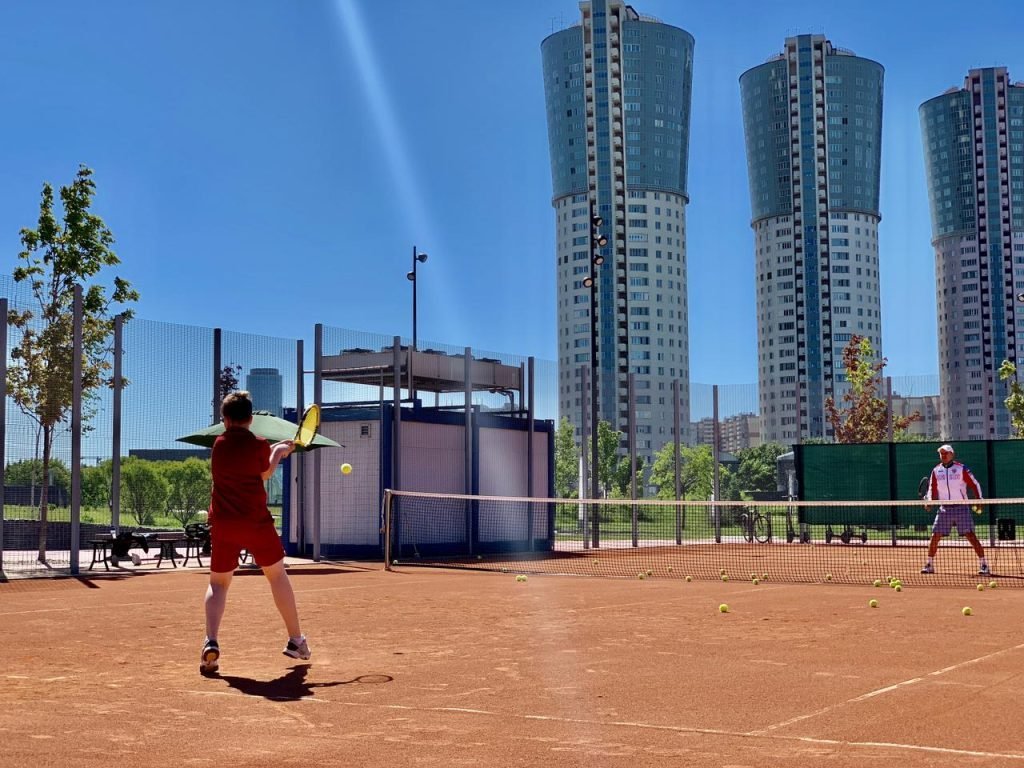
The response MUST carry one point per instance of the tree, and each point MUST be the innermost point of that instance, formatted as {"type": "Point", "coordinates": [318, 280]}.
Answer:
{"type": "Point", "coordinates": [865, 417]}
{"type": "Point", "coordinates": [29, 472]}
{"type": "Point", "coordinates": [757, 470]}
{"type": "Point", "coordinates": [607, 455]}
{"type": "Point", "coordinates": [189, 491]}
{"type": "Point", "coordinates": [229, 379]}
{"type": "Point", "coordinates": [696, 473]}
{"type": "Point", "coordinates": [567, 460]}
{"type": "Point", "coordinates": [55, 257]}
{"type": "Point", "coordinates": [1015, 400]}
{"type": "Point", "coordinates": [144, 489]}
{"type": "Point", "coordinates": [623, 474]}
{"type": "Point", "coordinates": [96, 485]}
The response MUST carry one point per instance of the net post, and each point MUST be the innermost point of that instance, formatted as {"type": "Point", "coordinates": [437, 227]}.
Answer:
{"type": "Point", "coordinates": [386, 510]}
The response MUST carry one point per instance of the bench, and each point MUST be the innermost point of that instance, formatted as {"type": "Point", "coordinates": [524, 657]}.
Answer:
{"type": "Point", "coordinates": [106, 546]}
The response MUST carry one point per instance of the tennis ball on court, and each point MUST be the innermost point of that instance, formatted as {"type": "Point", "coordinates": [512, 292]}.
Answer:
{"type": "Point", "coordinates": [689, 579]}
{"type": "Point", "coordinates": [520, 577]}
{"type": "Point", "coordinates": [642, 575]}
{"type": "Point", "coordinates": [877, 582]}
{"type": "Point", "coordinates": [395, 562]}
{"type": "Point", "coordinates": [981, 587]}
{"type": "Point", "coordinates": [898, 588]}
{"type": "Point", "coordinates": [992, 585]}
{"type": "Point", "coordinates": [504, 570]}
{"type": "Point", "coordinates": [966, 611]}
{"type": "Point", "coordinates": [722, 572]}
{"type": "Point", "coordinates": [872, 603]}
{"type": "Point", "coordinates": [753, 576]}
{"type": "Point", "coordinates": [725, 577]}
{"type": "Point", "coordinates": [755, 581]}
{"type": "Point", "coordinates": [670, 569]}
{"type": "Point", "coordinates": [764, 577]}
{"type": "Point", "coordinates": [723, 608]}
{"type": "Point", "coordinates": [346, 468]}
{"type": "Point", "coordinates": [828, 577]}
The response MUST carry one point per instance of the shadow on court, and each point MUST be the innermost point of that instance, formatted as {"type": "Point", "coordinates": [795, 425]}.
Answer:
{"type": "Point", "coordinates": [250, 569]}
{"type": "Point", "coordinates": [291, 686]}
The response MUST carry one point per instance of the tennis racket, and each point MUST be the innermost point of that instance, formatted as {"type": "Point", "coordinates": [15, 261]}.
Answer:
{"type": "Point", "coordinates": [922, 487]}
{"type": "Point", "coordinates": [309, 424]}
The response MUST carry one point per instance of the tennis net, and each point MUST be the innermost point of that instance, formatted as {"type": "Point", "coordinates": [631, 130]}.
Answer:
{"type": "Point", "coordinates": [851, 542]}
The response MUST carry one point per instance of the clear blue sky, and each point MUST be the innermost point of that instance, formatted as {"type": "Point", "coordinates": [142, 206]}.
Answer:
{"type": "Point", "coordinates": [299, 149]}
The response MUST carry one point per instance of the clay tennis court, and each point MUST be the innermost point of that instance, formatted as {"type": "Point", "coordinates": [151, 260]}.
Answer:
{"type": "Point", "coordinates": [438, 667]}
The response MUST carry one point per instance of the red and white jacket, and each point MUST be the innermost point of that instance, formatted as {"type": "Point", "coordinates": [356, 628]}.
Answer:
{"type": "Point", "coordinates": [951, 483]}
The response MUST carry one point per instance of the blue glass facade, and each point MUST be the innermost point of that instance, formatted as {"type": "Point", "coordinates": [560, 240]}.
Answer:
{"type": "Point", "coordinates": [974, 157]}
{"type": "Point", "coordinates": [617, 93]}
{"type": "Point", "coordinates": [812, 125]}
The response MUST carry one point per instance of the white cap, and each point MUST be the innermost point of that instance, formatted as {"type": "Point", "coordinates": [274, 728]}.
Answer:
{"type": "Point", "coordinates": [946, 447]}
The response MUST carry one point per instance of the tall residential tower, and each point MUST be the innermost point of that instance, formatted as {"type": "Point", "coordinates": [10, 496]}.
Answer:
{"type": "Point", "coordinates": [617, 87]}
{"type": "Point", "coordinates": [812, 118]}
{"type": "Point", "coordinates": [974, 156]}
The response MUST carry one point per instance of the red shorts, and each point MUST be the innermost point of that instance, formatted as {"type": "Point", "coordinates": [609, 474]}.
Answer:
{"type": "Point", "coordinates": [228, 539]}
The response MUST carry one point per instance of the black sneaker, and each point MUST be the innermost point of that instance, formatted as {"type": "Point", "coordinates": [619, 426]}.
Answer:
{"type": "Point", "coordinates": [209, 659]}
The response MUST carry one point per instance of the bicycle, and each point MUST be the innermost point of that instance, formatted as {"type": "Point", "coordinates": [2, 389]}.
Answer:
{"type": "Point", "coordinates": [756, 526]}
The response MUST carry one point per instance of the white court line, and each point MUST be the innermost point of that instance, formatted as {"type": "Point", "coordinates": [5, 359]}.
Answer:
{"type": "Point", "coordinates": [887, 689]}
{"type": "Point", "coordinates": [656, 727]}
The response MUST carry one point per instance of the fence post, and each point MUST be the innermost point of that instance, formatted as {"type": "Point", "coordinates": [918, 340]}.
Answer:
{"type": "Point", "coordinates": [300, 464]}
{"type": "Point", "coordinates": [469, 420]}
{"type": "Point", "coordinates": [715, 439]}
{"type": "Point", "coordinates": [217, 394]}
{"type": "Point", "coordinates": [318, 398]}
{"type": "Point", "coordinates": [115, 441]}
{"type": "Point", "coordinates": [529, 448]}
{"type": "Point", "coordinates": [676, 418]}
{"type": "Point", "coordinates": [585, 509]}
{"type": "Point", "coordinates": [76, 430]}
{"type": "Point", "coordinates": [3, 422]}
{"type": "Point", "coordinates": [631, 425]}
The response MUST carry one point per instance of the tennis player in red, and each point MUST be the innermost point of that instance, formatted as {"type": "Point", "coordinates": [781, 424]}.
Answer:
{"type": "Point", "coordinates": [239, 519]}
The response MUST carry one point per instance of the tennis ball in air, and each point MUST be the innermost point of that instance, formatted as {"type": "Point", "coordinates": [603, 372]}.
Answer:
{"type": "Point", "coordinates": [346, 468]}
{"type": "Point", "coordinates": [966, 611]}
{"type": "Point", "coordinates": [689, 578]}
{"type": "Point", "coordinates": [755, 582]}
{"type": "Point", "coordinates": [723, 608]}
{"type": "Point", "coordinates": [992, 585]}
{"type": "Point", "coordinates": [877, 582]}
{"type": "Point", "coordinates": [872, 603]}
{"type": "Point", "coordinates": [981, 587]}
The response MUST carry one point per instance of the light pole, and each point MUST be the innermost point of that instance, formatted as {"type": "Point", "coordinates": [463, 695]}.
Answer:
{"type": "Point", "coordinates": [411, 276]}
{"type": "Point", "coordinates": [597, 241]}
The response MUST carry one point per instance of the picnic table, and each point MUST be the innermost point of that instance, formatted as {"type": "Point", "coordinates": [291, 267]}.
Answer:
{"type": "Point", "coordinates": [112, 547]}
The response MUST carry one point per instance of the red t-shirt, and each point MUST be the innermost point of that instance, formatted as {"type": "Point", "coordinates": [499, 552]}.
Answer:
{"type": "Point", "coordinates": [238, 461]}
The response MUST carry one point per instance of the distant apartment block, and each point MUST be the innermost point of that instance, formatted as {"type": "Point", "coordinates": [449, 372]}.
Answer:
{"type": "Point", "coordinates": [930, 424]}
{"type": "Point", "coordinates": [736, 432]}
{"type": "Point", "coordinates": [264, 385]}
{"type": "Point", "coordinates": [812, 120]}
{"type": "Point", "coordinates": [617, 90]}
{"type": "Point", "coordinates": [974, 159]}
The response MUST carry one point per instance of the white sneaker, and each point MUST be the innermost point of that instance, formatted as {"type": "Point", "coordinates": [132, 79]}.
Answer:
{"type": "Point", "coordinates": [298, 651]}
{"type": "Point", "coordinates": [928, 568]}
{"type": "Point", "coordinates": [983, 569]}
{"type": "Point", "coordinates": [209, 659]}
